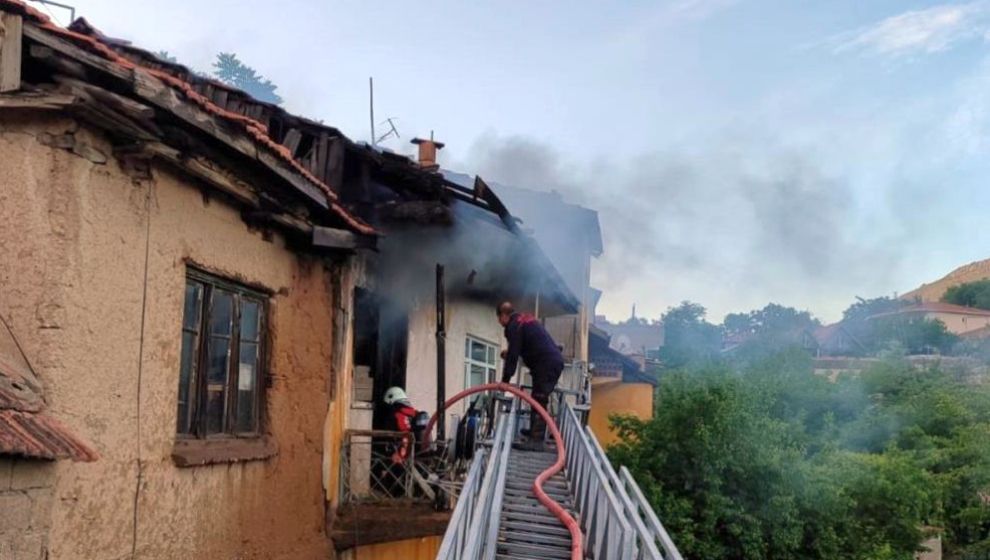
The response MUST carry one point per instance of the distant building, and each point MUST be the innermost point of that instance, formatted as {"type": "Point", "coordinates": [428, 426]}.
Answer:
{"type": "Point", "coordinates": [635, 336]}
{"type": "Point", "coordinates": [619, 385]}
{"type": "Point", "coordinates": [835, 340]}
{"type": "Point", "coordinates": [958, 319]}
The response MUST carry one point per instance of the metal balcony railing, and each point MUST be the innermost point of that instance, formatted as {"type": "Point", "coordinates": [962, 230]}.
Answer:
{"type": "Point", "coordinates": [370, 474]}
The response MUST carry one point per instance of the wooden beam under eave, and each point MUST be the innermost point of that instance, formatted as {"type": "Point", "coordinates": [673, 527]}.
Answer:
{"type": "Point", "coordinates": [11, 39]}
{"type": "Point", "coordinates": [37, 100]}
{"type": "Point", "coordinates": [340, 239]}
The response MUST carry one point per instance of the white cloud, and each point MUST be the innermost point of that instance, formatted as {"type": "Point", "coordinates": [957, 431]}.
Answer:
{"type": "Point", "coordinates": [926, 31]}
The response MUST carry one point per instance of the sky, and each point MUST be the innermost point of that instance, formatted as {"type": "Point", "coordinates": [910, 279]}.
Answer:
{"type": "Point", "coordinates": [739, 152]}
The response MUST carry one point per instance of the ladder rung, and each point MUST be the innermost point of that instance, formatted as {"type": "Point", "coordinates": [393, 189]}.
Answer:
{"type": "Point", "coordinates": [536, 527]}
{"type": "Point", "coordinates": [536, 551]}
{"type": "Point", "coordinates": [536, 538]}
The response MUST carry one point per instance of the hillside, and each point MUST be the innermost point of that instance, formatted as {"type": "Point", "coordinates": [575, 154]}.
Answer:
{"type": "Point", "coordinates": [934, 291]}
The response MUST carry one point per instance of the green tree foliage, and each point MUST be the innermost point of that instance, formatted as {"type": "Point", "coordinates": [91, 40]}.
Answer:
{"type": "Point", "coordinates": [773, 462]}
{"type": "Point", "coordinates": [229, 69]}
{"type": "Point", "coordinates": [688, 337]}
{"type": "Point", "coordinates": [773, 328]}
{"type": "Point", "coordinates": [863, 309]}
{"type": "Point", "coordinates": [970, 294]}
{"type": "Point", "coordinates": [167, 57]}
{"type": "Point", "coordinates": [774, 322]}
{"type": "Point", "coordinates": [912, 335]}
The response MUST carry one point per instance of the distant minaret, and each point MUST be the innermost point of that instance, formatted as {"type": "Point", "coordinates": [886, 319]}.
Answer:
{"type": "Point", "coordinates": [633, 312]}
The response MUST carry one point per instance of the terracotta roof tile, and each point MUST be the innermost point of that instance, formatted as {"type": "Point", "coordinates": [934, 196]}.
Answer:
{"type": "Point", "coordinates": [25, 430]}
{"type": "Point", "coordinates": [38, 436]}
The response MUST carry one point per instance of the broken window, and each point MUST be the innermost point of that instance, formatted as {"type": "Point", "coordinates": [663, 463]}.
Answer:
{"type": "Point", "coordinates": [223, 328]}
{"type": "Point", "coordinates": [480, 360]}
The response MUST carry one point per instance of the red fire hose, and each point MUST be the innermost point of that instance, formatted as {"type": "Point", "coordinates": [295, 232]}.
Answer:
{"type": "Point", "coordinates": [555, 508]}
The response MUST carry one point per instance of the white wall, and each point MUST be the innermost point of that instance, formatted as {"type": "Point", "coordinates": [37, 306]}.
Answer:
{"type": "Point", "coordinates": [464, 317]}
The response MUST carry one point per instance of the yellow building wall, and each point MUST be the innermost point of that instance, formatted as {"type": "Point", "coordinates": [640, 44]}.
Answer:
{"type": "Point", "coordinates": [958, 323]}
{"type": "Point", "coordinates": [615, 397]}
{"type": "Point", "coordinates": [424, 548]}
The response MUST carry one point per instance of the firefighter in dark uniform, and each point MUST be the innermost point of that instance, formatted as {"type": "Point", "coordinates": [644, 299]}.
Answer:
{"type": "Point", "coordinates": [530, 341]}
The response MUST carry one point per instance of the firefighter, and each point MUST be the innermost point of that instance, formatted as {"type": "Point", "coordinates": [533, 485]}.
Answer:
{"type": "Point", "coordinates": [530, 341]}
{"type": "Point", "coordinates": [400, 418]}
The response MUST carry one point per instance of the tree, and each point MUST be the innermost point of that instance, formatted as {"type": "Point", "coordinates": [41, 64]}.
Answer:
{"type": "Point", "coordinates": [164, 55]}
{"type": "Point", "coordinates": [770, 461]}
{"type": "Point", "coordinates": [969, 294]}
{"type": "Point", "coordinates": [728, 462]}
{"type": "Point", "coordinates": [913, 335]}
{"type": "Point", "coordinates": [688, 337]}
{"type": "Point", "coordinates": [229, 69]}
{"type": "Point", "coordinates": [767, 330]}
{"type": "Point", "coordinates": [863, 309]}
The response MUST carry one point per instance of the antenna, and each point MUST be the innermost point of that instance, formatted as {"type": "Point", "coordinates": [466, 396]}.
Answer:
{"type": "Point", "coordinates": [371, 108]}
{"type": "Point", "coordinates": [391, 132]}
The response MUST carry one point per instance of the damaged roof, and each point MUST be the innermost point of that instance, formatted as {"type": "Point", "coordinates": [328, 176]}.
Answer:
{"type": "Point", "coordinates": [308, 155]}
{"type": "Point", "coordinates": [142, 75]}
{"type": "Point", "coordinates": [25, 429]}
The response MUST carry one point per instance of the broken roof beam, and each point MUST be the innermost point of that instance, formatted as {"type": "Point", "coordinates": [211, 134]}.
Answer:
{"type": "Point", "coordinates": [11, 37]}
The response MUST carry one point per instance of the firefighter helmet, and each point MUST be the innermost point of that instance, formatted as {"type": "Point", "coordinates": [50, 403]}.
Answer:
{"type": "Point", "coordinates": [394, 394]}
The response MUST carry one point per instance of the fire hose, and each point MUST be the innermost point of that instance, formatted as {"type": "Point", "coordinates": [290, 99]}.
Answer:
{"type": "Point", "coordinates": [559, 512]}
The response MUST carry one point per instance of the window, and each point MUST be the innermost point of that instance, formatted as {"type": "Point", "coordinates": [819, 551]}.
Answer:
{"type": "Point", "coordinates": [480, 359]}
{"type": "Point", "coordinates": [223, 328]}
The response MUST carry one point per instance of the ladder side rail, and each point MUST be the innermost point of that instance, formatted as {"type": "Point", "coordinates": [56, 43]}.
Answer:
{"type": "Point", "coordinates": [495, 517]}
{"type": "Point", "coordinates": [644, 510]}
{"type": "Point", "coordinates": [482, 511]}
{"type": "Point", "coordinates": [644, 544]}
{"type": "Point", "coordinates": [603, 513]}
{"type": "Point", "coordinates": [456, 534]}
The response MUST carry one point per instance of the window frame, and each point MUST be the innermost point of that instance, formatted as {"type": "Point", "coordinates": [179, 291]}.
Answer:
{"type": "Point", "coordinates": [491, 368]}
{"type": "Point", "coordinates": [197, 395]}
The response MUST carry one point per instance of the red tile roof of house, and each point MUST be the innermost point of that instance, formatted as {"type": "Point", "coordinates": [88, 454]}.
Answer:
{"type": "Point", "coordinates": [253, 128]}
{"type": "Point", "coordinates": [937, 307]}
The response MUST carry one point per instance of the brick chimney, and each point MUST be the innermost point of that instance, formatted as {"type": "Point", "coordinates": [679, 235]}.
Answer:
{"type": "Point", "coordinates": [428, 152]}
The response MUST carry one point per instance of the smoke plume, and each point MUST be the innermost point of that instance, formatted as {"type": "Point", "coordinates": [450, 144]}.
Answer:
{"type": "Point", "coordinates": [732, 226]}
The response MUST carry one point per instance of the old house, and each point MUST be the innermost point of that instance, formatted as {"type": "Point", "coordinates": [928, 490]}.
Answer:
{"type": "Point", "coordinates": [208, 294]}
{"type": "Point", "coordinates": [174, 277]}
{"type": "Point", "coordinates": [836, 339]}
